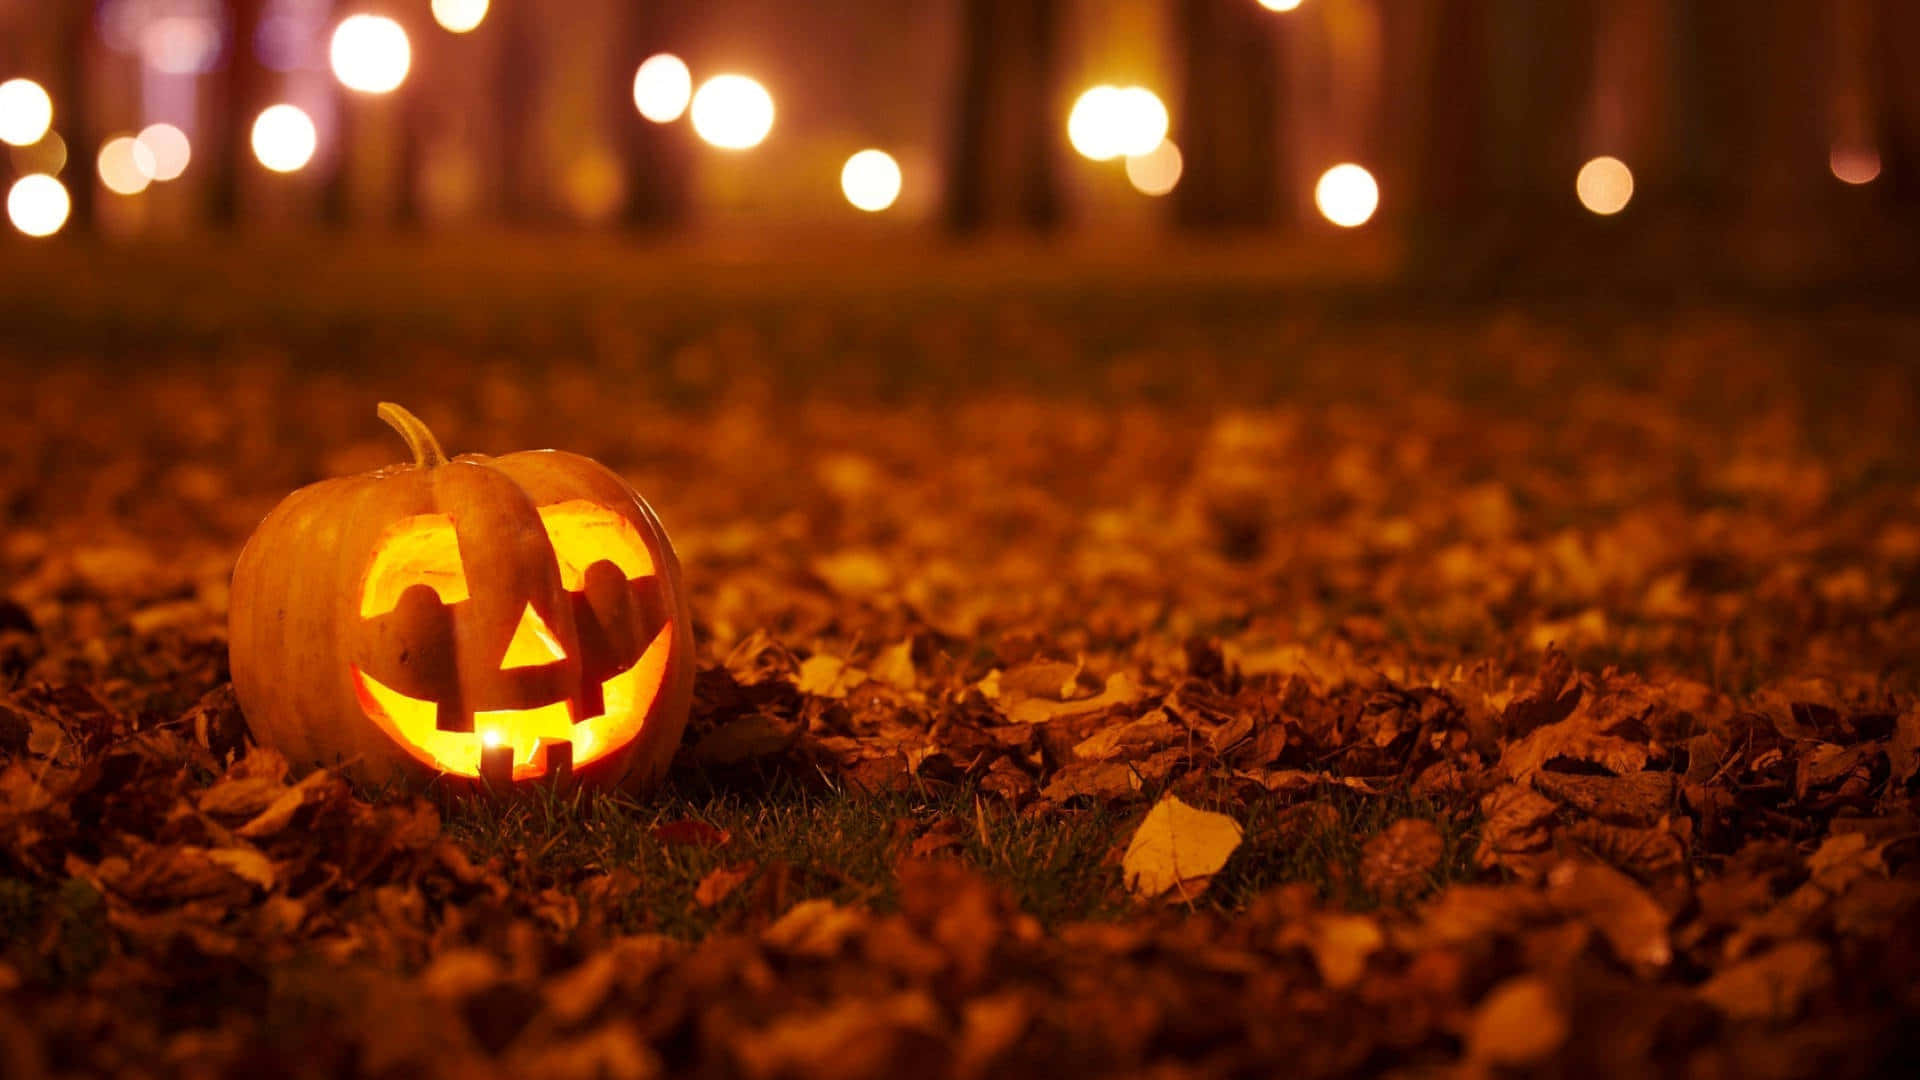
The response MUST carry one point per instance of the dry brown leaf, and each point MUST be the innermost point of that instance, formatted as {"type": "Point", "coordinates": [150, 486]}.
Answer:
{"type": "Point", "coordinates": [720, 884]}
{"type": "Point", "coordinates": [1520, 1022]}
{"type": "Point", "coordinates": [1177, 843]}
{"type": "Point", "coordinates": [1613, 903]}
{"type": "Point", "coordinates": [1771, 986]}
{"type": "Point", "coordinates": [1398, 862]}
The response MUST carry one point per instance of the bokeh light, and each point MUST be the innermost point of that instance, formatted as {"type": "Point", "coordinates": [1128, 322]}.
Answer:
{"type": "Point", "coordinates": [732, 112]}
{"type": "Point", "coordinates": [25, 112]}
{"type": "Point", "coordinates": [871, 180]}
{"type": "Point", "coordinates": [1854, 164]}
{"type": "Point", "coordinates": [1347, 195]}
{"type": "Point", "coordinates": [459, 16]}
{"type": "Point", "coordinates": [185, 42]}
{"type": "Point", "coordinates": [49, 155]}
{"type": "Point", "coordinates": [38, 205]}
{"type": "Point", "coordinates": [284, 138]}
{"type": "Point", "coordinates": [1156, 171]}
{"type": "Point", "coordinates": [1605, 185]}
{"type": "Point", "coordinates": [370, 53]}
{"type": "Point", "coordinates": [125, 166]}
{"type": "Point", "coordinates": [1107, 122]}
{"type": "Point", "coordinates": [662, 88]}
{"type": "Point", "coordinates": [1279, 5]}
{"type": "Point", "coordinates": [170, 149]}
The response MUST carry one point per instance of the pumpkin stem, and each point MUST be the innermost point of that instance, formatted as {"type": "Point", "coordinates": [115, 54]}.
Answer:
{"type": "Point", "coordinates": [426, 448]}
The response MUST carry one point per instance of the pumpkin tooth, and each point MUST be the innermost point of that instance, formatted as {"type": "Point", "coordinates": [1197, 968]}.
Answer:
{"type": "Point", "coordinates": [496, 764]}
{"type": "Point", "coordinates": [559, 760]}
{"type": "Point", "coordinates": [449, 716]}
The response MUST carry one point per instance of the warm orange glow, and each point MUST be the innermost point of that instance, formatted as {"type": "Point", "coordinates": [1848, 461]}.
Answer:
{"type": "Point", "coordinates": [1156, 171]}
{"type": "Point", "coordinates": [732, 112]}
{"type": "Point", "coordinates": [533, 643]}
{"type": "Point", "coordinates": [662, 87]}
{"type": "Point", "coordinates": [583, 533]}
{"type": "Point", "coordinates": [1854, 165]}
{"type": "Point", "coordinates": [1347, 195]}
{"type": "Point", "coordinates": [1279, 5]}
{"type": "Point", "coordinates": [1605, 185]}
{"type": "Point", "coordinates": [628, 695]}
{"type": "Point", "coordinates": [126, 167]}
{"type": "Point", "coordinates": [424, 550]}
{"type": "Point", "coordinates": [418, 550]}
{"type": "Point", "coordinates": [371, 54]}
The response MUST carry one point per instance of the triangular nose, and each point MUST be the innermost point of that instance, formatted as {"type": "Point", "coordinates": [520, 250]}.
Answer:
{"type": "Point", "coordinates": [533, 644]}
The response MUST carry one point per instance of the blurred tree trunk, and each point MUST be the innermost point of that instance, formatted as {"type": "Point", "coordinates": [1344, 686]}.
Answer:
{"type": "Point", "coordinates": [73, 110]}
{"type": "Point", "coordinates": [517, 86]}
{"type": "Point", "coordinates": [1007, 116]}
{"type": "Point", "coordinates": [243, 93]}
{"type": "Point", "coordinates": [1451, 172]}
{"type": "Point", "coordinates": [1229, 122]}
{"type": "Point", "coordinates": [657, 158]}
{"type": "Point", "coordinates": [1895, 64]}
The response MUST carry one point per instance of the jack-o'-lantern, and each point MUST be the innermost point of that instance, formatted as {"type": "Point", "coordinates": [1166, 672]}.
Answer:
{"type": "Point", "coordinates": [509, 619]}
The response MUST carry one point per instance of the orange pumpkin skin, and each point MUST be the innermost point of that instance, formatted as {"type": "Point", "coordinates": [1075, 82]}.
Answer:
{"type": "Point", "coordinates": [507, 620]}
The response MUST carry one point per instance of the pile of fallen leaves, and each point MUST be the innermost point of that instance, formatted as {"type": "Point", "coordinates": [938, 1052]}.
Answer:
{"type": "Point", "coordinates": [1641, 638]}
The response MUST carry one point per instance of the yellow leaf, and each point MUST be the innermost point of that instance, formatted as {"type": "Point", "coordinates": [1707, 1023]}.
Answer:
{"type": "Point", "coordinates": [1177, 843]}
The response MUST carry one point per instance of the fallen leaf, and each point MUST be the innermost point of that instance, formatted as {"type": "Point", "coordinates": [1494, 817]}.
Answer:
{"type": "Point", "coordinates": [1771, 986]}
{"type": "Point", "coordinates": [1520, 1022]}
{"type": "Point", "coordinates": [720, 883]}
{"type": "Point", "coordinates": [1398, 862]}
{"type": "Point", "coordinates": [1177, 843]}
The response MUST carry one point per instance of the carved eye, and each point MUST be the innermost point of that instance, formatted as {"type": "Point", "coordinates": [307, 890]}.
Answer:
{"type": "Point", "coordinates": [419, 550]}
{"type": "Point", "coordinates": [533, 643]}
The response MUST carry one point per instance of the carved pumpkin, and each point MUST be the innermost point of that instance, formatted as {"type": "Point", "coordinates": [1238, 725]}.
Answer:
{"type": "Point", "coordinates": [503, 619]}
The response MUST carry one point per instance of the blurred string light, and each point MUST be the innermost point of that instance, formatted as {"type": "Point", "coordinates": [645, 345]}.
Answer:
{"type": "Point", "coordinates": [185, 39]}
{"type": "Point", "coordinates": [1854, 164]}
{"type": "Point", "coordinates": [871, 180]}
{"type": "Point", "coordinates": [1347, 195]}
{"type": "Point", "coordinates": [459, 16]}
{"type": "Point", "coordinates": [1107, 122]}
{"type": "Point", "coordinates": [1280, 5]}
{"type": "Point", "coordinates": [169, 148]}
{"type": "Point", "coordinates": [284, 138]}
{"type": "Point", "coordinates": [125, 166]}
{"type": "Point", "coordinates": [1156, 171]}
{"type": "Point", "coordinates": [49, 155]}
{"type": "Point", "coordinates": [370, 53]}
{"type": "Point", "coordinates": [732, 112]}
{"type": "Point", "coordinates": [26, 112]}
{"type": "Point", "coordinates": [662, 88]}
{"type": "Point", "coordinates": [38, 205]}
{"type": "Point", "coordinates": [175, 37]}
{"type": "Point", "coordinates": [1605, 185]}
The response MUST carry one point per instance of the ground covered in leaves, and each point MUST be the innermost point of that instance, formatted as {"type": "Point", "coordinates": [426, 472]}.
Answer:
{"type": "Point", "coordinates": [1141, 684]}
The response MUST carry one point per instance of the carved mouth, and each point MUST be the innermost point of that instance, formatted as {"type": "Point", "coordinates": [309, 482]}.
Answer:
{"type": "Point", "coordinates": [531, 739]}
